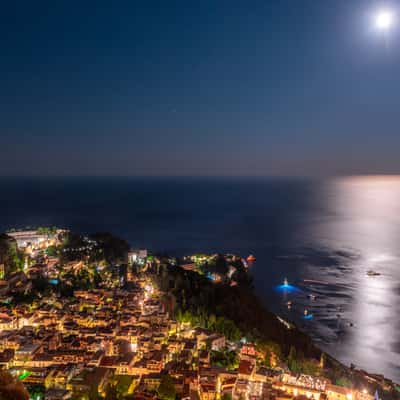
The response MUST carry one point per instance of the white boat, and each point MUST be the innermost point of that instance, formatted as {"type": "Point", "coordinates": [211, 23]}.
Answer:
{"type": "Point", "coordinates": [372, 273]}
{"type": "Point", "coordinates": [285, 282]}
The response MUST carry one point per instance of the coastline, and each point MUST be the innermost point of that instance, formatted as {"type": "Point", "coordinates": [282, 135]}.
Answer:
{"type": "Point", "coordinates": [210, 292]}
{"type": "Point", "coordinates": [294, 335]}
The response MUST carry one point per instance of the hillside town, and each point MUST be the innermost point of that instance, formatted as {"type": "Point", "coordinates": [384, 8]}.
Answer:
{"type": "Point", "coordinates": [122, 339]}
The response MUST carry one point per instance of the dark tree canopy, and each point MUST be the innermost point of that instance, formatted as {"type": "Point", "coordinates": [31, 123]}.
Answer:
{"type": "Point", "coordinates": [11, 388]}
{"type": "Point", "coordinates": [114, 249]}
{"type": "Point", "coordinates": [166, 390]}
{"type": "Point", "coordinates": [10, 256]}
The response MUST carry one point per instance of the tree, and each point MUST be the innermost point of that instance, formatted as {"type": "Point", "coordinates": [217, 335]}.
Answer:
{"type": "Point", "coordinates": [212, 320]}
{"type": "Point", "coordinates": [41, 284]}
{"type": "Point", "coordinates": [218, 265]}
{"type": "Point", "coordinates": [343, 381]}
{"type": "Point", "coordinates": [166, 390]}
{"type": "Point", "coordinates": [10, 255]}
{"type": "Point", "coordinates": [114, 249]}
{"type": "Point", "coordinates": [11, 389]}
{"type": "Point", "coordinates": [37, 391]}
{"type": "Point", "coordinates": [292, 360]}
{"type": "Point", "coordinates": [112, 392]}
{"type": "Point", "coordinates": [308, 366]}
{"type": "Point", "coordinates": [52, 251]}
{"type": "Point", "coordinates": [227, 359]}
{"type": "Point", "coordinates": [322, 361]}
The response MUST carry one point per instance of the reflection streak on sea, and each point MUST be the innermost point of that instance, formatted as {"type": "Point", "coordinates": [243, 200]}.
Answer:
{"type": "Point", "coordinates": [351, 308]}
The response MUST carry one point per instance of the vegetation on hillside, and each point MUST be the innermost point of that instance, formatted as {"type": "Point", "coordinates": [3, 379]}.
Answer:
{"type": "Point", "coordinates": [94, 249]}
{"type": "Point", "coordinates": [236, 309]}
{"type": "Point", "coordinates": [10, 256]}
{"type": "Point", "coordinates": [225, 358]}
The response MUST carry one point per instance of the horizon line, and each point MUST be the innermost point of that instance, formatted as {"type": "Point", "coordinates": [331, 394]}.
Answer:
{"type": "Point", "coordinates": [277, 176]}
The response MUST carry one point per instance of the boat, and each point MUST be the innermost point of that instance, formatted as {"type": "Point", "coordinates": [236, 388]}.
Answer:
{"type": "Point", "coordinates": [289, 304]}
{"type": "Point", "coordinates": [307, 315]}
{"type": "Point", "coordinates": [251, 258]}
{"type": "Point", "coordinates": [312, 296]}
{"type": "Point", "coordinates": [285, 282]}
{"type": "Point", "coordinates": [372, 273]}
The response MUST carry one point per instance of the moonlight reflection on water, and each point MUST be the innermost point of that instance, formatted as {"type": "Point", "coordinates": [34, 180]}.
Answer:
{"type": "Point", "coordinates": [355, 315]}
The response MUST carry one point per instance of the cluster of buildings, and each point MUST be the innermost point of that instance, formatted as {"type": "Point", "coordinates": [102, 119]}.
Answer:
{"type": "Point", "coordinates": [34, 240]}
{"type": "Point", "coordinates": [126, 337]}
{"type": "Point", "coordinates": [102, 337]}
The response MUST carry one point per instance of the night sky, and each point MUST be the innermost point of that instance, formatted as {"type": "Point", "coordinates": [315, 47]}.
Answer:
{"type": "Point", "coordinates": [284, 87]}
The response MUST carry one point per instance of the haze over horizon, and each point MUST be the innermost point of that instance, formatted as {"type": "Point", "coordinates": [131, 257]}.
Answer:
{"type": "Point", "coordinates": [280, 88]}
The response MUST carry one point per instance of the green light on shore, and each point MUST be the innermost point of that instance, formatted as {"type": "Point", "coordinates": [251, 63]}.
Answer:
{"type": "Point", "coordinates": [24, 375]}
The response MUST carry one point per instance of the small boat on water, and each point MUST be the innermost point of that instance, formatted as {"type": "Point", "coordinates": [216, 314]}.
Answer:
{"type": "Point", "coordinates": [312, 296]}
{"type": "Point", "coordinates": [372, 273]}
{"type": "Point", "coordinates": [251, 258]}
{"type": "Point", "coordinates": [285, 282]}
{"type": "Point", "coordinates": [307, 315]}
{"type": "Point", "coordinates": [289, 304]}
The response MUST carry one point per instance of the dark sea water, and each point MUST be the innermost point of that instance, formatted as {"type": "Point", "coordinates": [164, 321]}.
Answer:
{"type": "Point", "coordinates": [330, 232]}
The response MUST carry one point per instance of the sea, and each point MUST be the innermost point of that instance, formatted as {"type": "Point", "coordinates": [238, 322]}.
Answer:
{"type": "Point", "coordinates": [321, 236]}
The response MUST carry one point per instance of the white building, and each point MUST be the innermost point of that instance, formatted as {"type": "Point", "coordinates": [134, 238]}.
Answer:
{"type": "Point", "coordinates": [135, 256]}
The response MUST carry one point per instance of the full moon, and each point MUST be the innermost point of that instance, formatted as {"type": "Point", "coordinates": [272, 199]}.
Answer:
{"type": "Point", "coordinates": [384, 20]}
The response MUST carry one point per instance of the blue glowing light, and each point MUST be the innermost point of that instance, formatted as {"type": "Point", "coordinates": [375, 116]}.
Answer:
{"type": "Point", "coordinates": [308, 316]}
{"type": "Point", "coordinates": [53, 281]}
{"type": "Point", "coordinates": [286, 288]}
